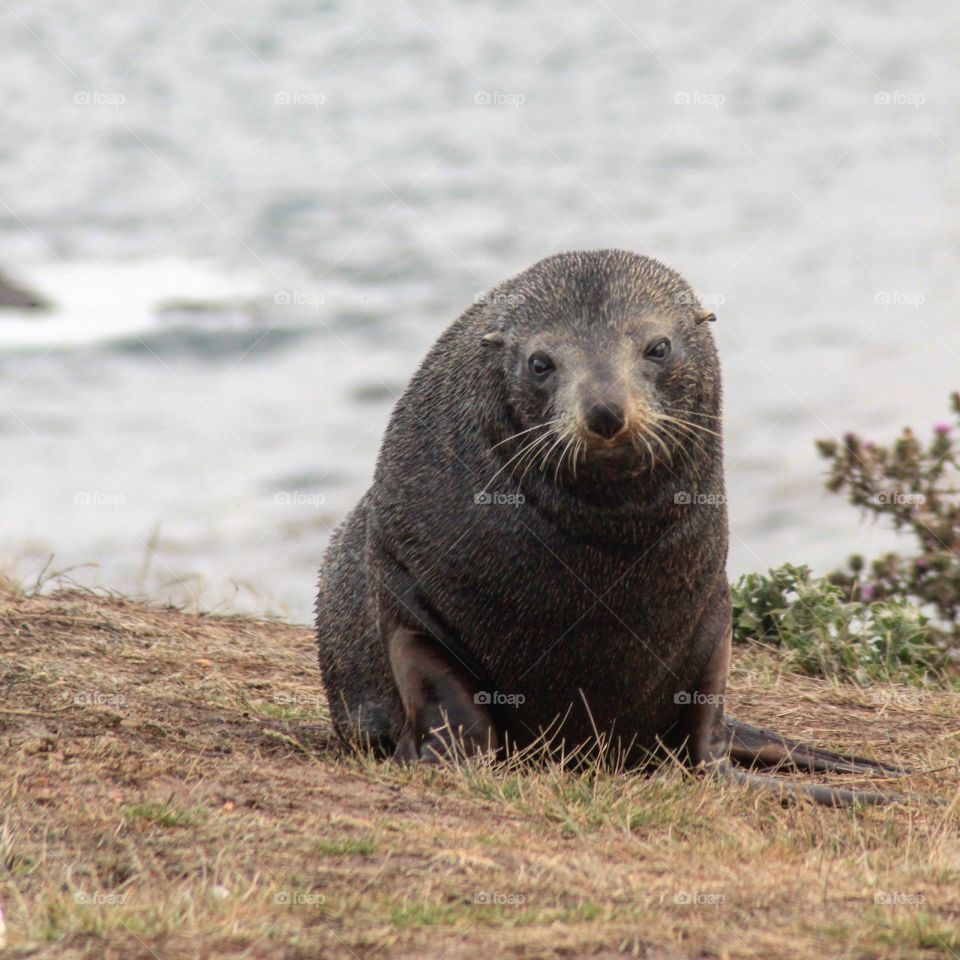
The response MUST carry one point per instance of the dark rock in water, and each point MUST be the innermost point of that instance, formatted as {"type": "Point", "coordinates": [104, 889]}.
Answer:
{"type": "Point", "coordinates": [13, 296]}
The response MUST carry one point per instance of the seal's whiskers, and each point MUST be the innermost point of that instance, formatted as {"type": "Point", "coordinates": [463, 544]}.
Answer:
{"type": "Point", "coordinates": [687, 423]}
{"type": "Point", "coordinates": [520, 433]}
{"type": "Point", "coordinates": [534, 454]}
{"type": "Point", "coordinates": [695, 413]}
{"type": "Point", "coordinates": [524, 449]}
{"type": "Point", "coordinates": [640, 433]}
{"type": "Point", "coordinates": [681, 436]}
{"type": "Point", "coordinates": [680, 446]}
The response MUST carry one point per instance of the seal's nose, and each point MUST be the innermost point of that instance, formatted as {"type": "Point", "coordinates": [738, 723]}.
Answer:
{"type": "Point", "coordinates": [605, 420]}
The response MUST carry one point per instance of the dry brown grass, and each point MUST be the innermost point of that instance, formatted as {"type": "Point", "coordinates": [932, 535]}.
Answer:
{"type": "Point", "coordinates": [171, 789]}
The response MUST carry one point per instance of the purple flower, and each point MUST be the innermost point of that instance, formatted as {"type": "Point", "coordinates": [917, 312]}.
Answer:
{"type": "Point", "coordinates": [942, 428]}
{"type": "Point", "coordinates": [867, 592]}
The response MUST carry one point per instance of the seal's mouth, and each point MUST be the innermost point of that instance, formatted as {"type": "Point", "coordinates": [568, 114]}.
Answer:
{"type": "Point", "coordinates": [616, 445]}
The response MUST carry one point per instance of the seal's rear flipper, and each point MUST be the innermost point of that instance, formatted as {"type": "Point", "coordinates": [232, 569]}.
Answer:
{"type": "Point", "coordinates": [444, 710]}
{"type": "Point", "coordinates": [819, 793]}
{"type": "Point", "coordinates": [752, 746]}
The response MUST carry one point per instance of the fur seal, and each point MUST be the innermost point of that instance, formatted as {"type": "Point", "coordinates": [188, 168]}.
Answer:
{"type": "Point", "coordinates": [542, 554]}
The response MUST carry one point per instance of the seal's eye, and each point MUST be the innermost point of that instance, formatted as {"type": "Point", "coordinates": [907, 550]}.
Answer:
{"type": "Point", "coordinates": [540, 365]}
{"type": "Point", "coordinates": [658, 350]}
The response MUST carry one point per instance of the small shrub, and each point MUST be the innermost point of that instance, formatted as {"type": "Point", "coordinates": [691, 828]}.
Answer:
{"type": "Point", "coordinates": [916, 485]}
{"type": "Point", "coordinates": [830, 635]}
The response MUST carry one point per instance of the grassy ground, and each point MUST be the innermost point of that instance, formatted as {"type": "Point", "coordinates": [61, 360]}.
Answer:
{"type": "Point", "coordinates": [171, 789]}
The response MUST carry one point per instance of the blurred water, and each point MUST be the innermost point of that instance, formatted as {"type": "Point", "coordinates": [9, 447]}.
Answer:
{"type": "Point", "coordinates": [255, 217]}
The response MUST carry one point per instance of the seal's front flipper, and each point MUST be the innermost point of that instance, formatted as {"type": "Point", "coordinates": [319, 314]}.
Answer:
{"type": "Point", "coordinates": [755, 747]}
{"type": "Point", "coordinates": [444, 715]}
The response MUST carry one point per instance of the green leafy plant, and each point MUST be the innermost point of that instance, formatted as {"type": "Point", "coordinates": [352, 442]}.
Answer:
{"type": "Point", "coordinates": [828, 634]}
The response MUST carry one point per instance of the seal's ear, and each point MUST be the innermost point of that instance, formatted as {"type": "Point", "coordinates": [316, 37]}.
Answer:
{"type": "Point", "coordinates": [495, 338]}
{"type": "Point", "coordinates": [703, 315]}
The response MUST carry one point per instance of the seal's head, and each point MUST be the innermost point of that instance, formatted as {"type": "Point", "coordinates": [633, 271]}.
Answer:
{"type": "Point", "coordinates": [607, 360]}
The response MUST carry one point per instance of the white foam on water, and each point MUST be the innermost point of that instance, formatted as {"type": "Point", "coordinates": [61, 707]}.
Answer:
{"type": "Point", "coordinates": [96, 301]}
